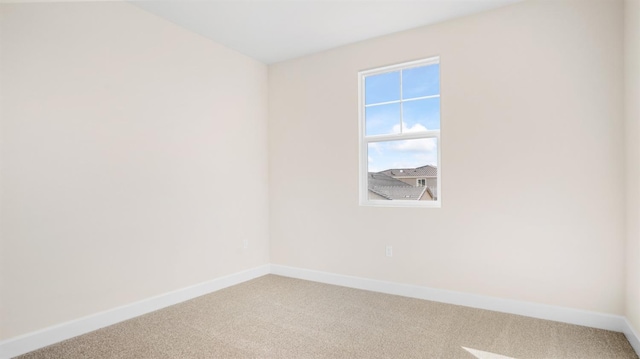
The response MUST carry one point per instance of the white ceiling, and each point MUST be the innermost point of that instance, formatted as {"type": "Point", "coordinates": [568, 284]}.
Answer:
{"type": "Point", "coordinates": [272, 31]}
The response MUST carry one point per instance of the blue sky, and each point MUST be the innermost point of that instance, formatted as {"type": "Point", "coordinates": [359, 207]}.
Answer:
{"type": "Point", "coordinates": [409, 113]}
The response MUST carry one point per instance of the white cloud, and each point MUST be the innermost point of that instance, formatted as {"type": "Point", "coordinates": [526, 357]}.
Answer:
{"type": "Point", "coordinates": [403, 153]}
{"type": "Point", "coordinates": [375, 147]}
{"type": "Point", "coordinates": [421, 145]}
{"type": "Point", "coordinates": [415, 128]}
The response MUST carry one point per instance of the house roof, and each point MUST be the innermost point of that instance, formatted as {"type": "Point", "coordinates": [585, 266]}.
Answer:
{"type": "Point", "coordinates": [391, 188]}
{"type": "Point", "coordinates": [382, 179]}
{"type": "Point", "coordinates": [407, 193]}
{"type": "Point", "coordinates": [432, 187]}
{"type": "Point", "coordinates": [424, 171]}
{"type": "Point", "coordinates": [433, 191]}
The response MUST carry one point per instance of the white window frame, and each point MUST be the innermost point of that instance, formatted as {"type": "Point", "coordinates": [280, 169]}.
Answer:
{"type": "Point", "coordinates": [365, 140]}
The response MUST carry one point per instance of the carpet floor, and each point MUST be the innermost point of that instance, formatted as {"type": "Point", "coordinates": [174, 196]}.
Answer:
{"type": "Point", "coordinates": [278, 317]}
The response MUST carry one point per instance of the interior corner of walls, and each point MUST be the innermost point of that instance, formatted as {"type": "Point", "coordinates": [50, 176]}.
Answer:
{"type": "Point", "coordinates": [38, 339]}
{"type": "Point", "coordinates": [632, 335]}
{"type": "Point", "coordinates": [515, 127]}
{"type": "Point", "coordinates": [632, 138]}
{"type": "Point", "coordinates": [145, 145]}
{"type": "Point", "coordinates": [529, 309]}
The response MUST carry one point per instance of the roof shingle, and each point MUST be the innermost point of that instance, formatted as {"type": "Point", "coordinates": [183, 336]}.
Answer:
{"type": "Point", "coordinates": [424, 171]}
{"type": "Point", "coordinates": [393, 189]}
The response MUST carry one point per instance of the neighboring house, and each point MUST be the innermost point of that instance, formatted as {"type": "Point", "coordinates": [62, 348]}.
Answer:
{"type": "Point", "coordinates": [418, 184]}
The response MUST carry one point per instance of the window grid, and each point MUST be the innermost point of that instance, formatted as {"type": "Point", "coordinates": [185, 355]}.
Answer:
{"type": "Point", "coordinates": [365, 139]}
{"type": "Point", "coordinates": [400, 101]}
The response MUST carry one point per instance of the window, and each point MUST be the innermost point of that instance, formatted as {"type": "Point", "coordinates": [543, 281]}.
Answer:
{"type": "Point", "coordinates": [400, 135]}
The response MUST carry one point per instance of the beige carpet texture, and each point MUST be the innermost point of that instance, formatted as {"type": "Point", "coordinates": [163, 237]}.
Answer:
{"type": "Point", "coordinates": [278, 317]}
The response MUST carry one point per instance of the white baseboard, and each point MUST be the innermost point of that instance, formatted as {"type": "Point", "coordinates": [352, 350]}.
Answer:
{"type": "Point", "coordinates": [632, 336]}
{"type": "Point", "coordinates": [611, 322]}
{"type": "Point", "coordinates": [42, 338]}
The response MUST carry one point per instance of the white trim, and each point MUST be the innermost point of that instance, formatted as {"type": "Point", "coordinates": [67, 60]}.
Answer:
{"type": "Point", "coordinates": [403, 100]}
{"type": "Point", "coordinates": [632, 336]}
{"type": "Point", "coordinates": [586, 318]}
{"type": "Point", "coordinates": [402, 66]}
{"type": "Point", "coordinates": [364, 140]}
{"type": "Point", "coordinates": [41, 338]}
{"type": "Point", "coordinates": [404, 136]}
{"type": "Point", "coordinates": [363, 162]}
{"type": "Point", "coordinates": [57, 333]}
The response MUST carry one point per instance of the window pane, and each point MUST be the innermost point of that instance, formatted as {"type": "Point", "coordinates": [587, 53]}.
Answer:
{"type": "Point", "coordinates": [421, 81]}
{"type": "Point", "coordinates": [382, 88]}
{"type": "Point", "coordinates": [403, 170]}
{"type": "Point", "coordinates": [382, 119]}
{"type": "Point", "coordinates": [421, 115]}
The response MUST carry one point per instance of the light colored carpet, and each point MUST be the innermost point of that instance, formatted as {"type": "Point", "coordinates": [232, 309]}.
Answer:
{"type": "Point", "coordinates": [277, 317]}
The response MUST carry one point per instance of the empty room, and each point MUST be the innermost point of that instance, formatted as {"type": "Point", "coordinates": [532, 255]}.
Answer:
{"type": "Point", "coordinates": [320, 179]}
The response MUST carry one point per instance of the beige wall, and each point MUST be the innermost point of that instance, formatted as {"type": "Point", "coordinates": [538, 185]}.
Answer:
{"type": "Point", "coordinates": [119, 131]}
{"type": "Point", "coordinates": [531, 103]}
{"type": "Point", "coordinates": [121, 138]}
{"type": "Point", "coordinates": [632, 131]}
